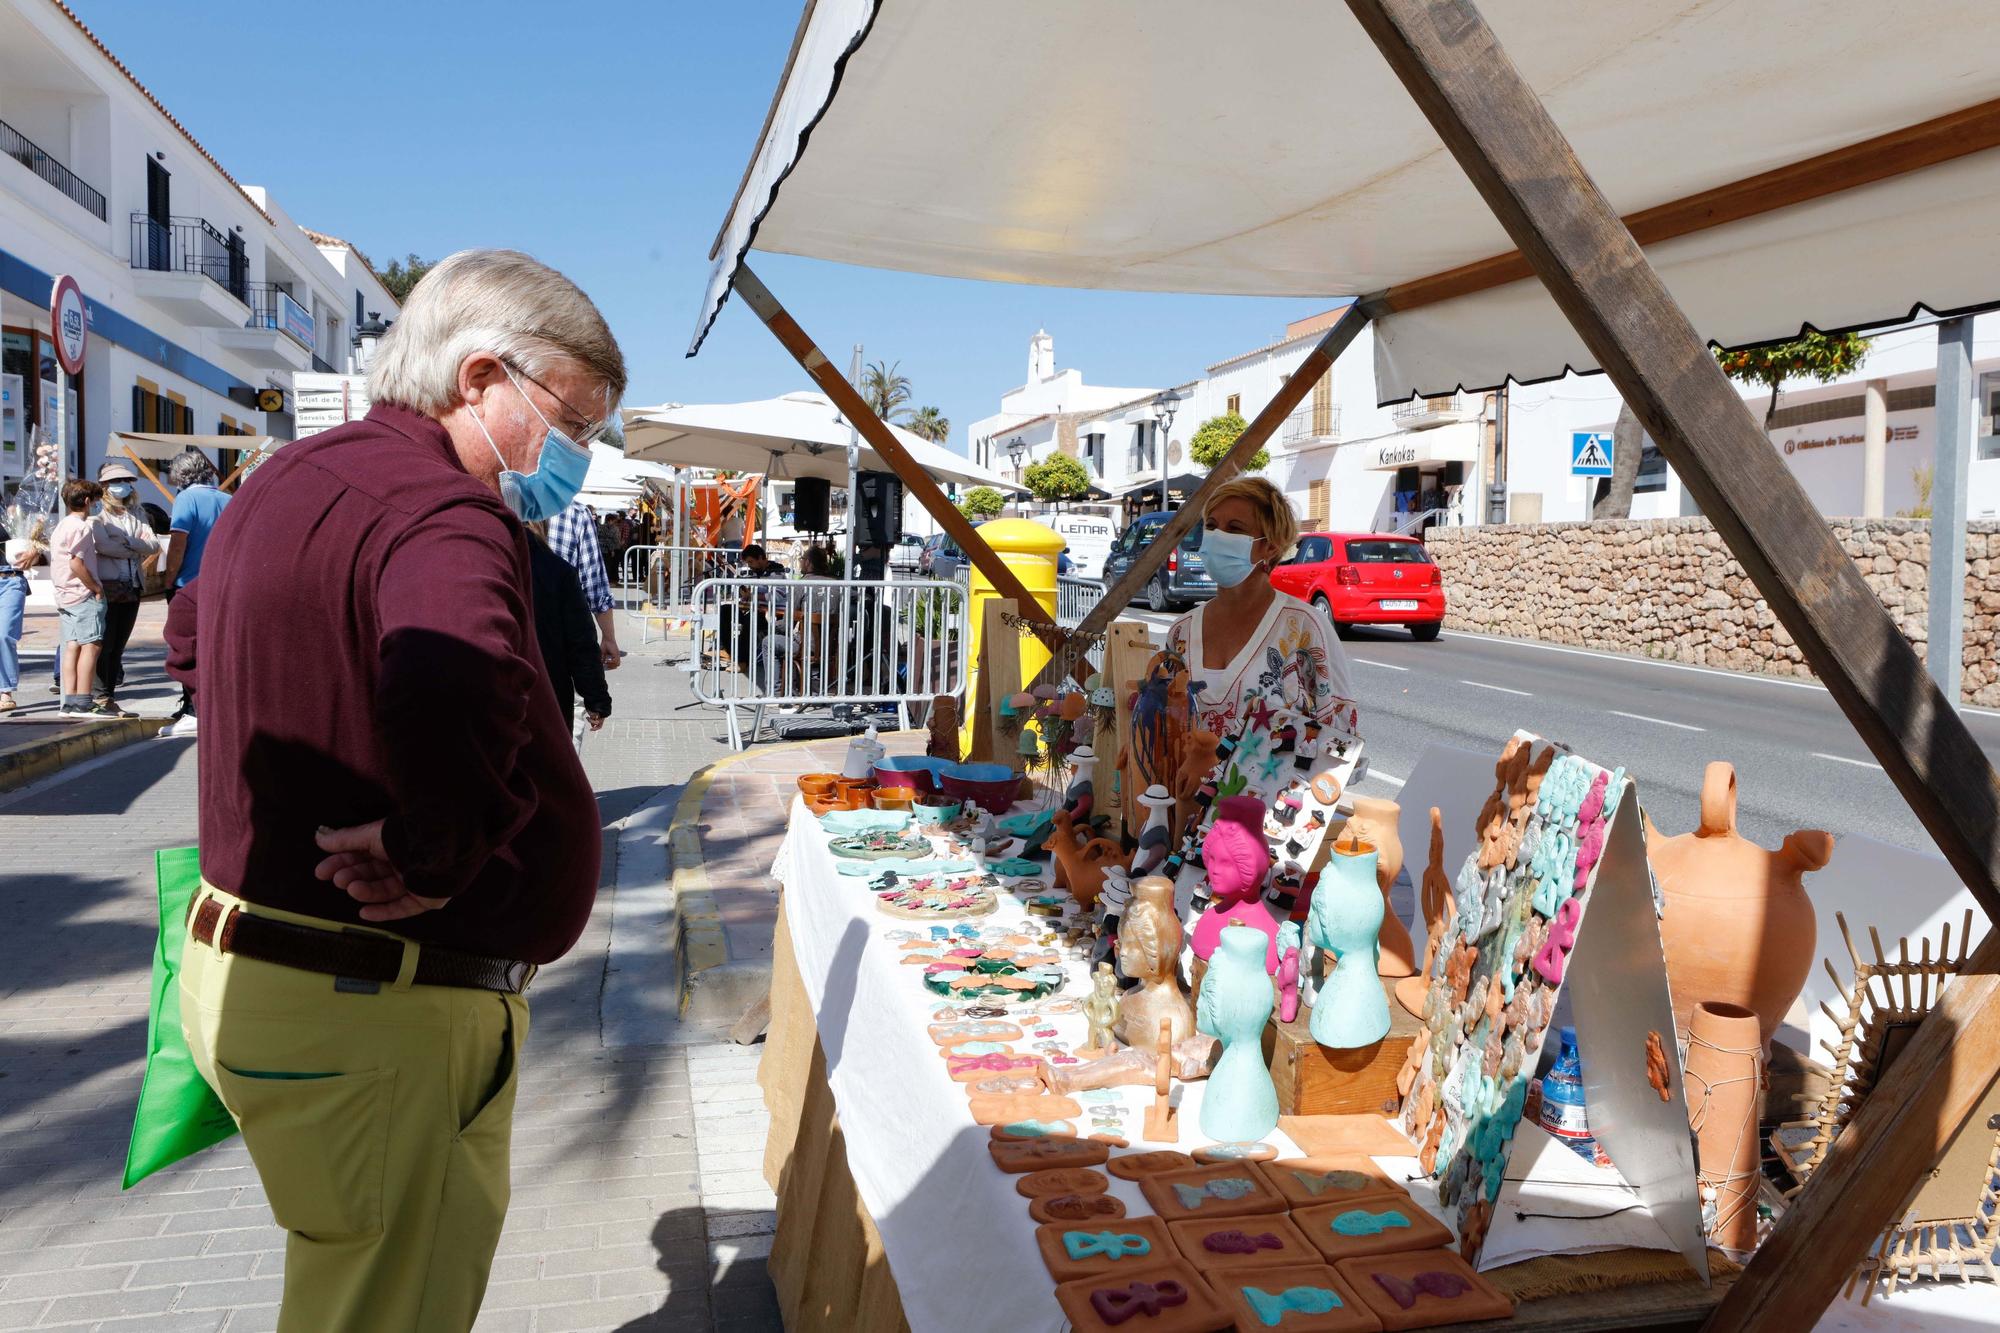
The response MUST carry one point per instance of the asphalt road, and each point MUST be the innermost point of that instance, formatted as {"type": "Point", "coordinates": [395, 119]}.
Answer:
{"type": "Point", "coordinates": [1798, 762]}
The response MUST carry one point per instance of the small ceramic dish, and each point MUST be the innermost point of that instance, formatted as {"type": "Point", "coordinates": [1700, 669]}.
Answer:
{"type": "Point", "coordinates": [894, 798]}
{"type": "Point", "coordinates": [819, 784]}
{"type": "Point", "coordinates": [934, 810]}
{"type": "Point", "coordinates": [847, 823]}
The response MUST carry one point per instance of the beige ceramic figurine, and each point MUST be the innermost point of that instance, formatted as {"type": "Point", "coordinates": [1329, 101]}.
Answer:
{"type": "Point", "coordinates": [1440, 910]}
{"type": "Point", "coordinates": [1101, 1009]}
{"type": "Point", "coordinates": [1149, 951]}
{"type": "Point", "coordinates": [1374, 821]}
{"type": "Point", "coordinates": [1737, 925]}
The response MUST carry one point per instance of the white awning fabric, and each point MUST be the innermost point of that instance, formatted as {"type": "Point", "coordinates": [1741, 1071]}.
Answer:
{"type": "Point", "coordinates": [156, 448]}
{"type": "Point", "coordinates": [1121, 144]}
{"type": "Point", "coordinates": [797, 435]}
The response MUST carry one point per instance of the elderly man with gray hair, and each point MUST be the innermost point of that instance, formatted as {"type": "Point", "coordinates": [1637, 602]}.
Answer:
{"type": "Point", "coordinates": [395, 829]}
{"type": "Point", "coordinates": [198, 503]}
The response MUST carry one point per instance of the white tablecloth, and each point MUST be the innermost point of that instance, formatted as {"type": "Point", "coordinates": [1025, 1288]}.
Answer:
{"type": "Point", "coordinates": [960, 1243]}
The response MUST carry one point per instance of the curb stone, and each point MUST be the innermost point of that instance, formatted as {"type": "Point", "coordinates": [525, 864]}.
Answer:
{"type": "Point", "coordinates": [31, 761]}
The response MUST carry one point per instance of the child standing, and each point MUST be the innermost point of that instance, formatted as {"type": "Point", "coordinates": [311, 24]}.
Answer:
{"type": "Point", "coordinates": [79, 599]}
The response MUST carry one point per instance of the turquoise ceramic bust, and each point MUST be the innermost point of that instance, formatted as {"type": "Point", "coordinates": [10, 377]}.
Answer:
{"type": "Point", "coordinates": [1345, 919]}
{"type": "Point", "coordinates": [1239, 1104]}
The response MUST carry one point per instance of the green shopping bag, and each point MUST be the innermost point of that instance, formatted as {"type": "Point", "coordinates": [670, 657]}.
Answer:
{"type": "Point", "coordinates": [178, 1113]}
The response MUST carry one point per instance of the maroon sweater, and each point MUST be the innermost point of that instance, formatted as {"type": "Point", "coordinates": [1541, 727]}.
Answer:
{"type": "Point", "coordinates": [362, 642]}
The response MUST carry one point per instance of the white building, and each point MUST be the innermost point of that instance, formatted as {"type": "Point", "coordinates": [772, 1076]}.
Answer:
{"type": "Point", "coordinates": [200, 291]}
{"type": "Point", "coordinates": [1047, 413]}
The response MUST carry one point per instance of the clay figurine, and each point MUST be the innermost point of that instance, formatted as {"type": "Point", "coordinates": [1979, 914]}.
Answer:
{"type": "Point", "coordinates": [1080, 865]}
{"type": "Point", "coordinates": [1101, 1009]}
{"type": "Point", "coordinates": [1374, 822]}
{"type": "Point", "coordinates": [1162, 1123]}
{"type": "Point", "coordinates": [1350, 1010]}
{"type": "Point", "coordinates": [1439, 910]}
{"type": "Point", "coordinates": [1290, 938]}
{"type": "Point", "coordinates": [1737, 925]}
{"type": "Point", "coordinates": [1237, 860]}
{"type": "Point", "coordinates": [1149, 950]}
{"type": "Point", "coordinates": [1156, 838]}
{"type": "Point", "coordinates": [943, 741]}
{"type": "Point", "coordinates": [1236, 998]}
{"type": "Point", "coordinates": [1081, 794]}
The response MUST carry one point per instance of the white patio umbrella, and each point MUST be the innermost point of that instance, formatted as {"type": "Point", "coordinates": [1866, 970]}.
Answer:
{"type": "Point", "coordinates": [615, 481]}
{"type": "Point", "coordinates": [796, 435]}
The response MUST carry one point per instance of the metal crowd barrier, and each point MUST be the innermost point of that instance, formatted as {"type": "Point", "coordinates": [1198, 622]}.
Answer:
{"type": "Point", "coordinates": [764, 643]}
{"type": "Point", "coordinates": [657, 583]}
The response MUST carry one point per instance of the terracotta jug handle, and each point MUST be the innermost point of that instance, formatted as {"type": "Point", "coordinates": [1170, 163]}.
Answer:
{"type": "Point", "coordinates": [1718, 798]}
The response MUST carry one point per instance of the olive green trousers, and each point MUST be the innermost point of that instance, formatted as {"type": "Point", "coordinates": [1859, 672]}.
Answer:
{"type": "Point", "coordinates": [379, 1124]}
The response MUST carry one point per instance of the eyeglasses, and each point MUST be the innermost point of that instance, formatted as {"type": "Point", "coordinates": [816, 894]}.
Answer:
{"type": "Point", "coordinates": [588, 428]}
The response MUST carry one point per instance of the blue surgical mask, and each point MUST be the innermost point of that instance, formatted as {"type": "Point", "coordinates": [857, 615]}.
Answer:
{"type": "Point", "coordinates": [558, 474]}
{"type": "Point", "coordinates": [1226, 556]}
{"type": "Point", "coordinates": [120, 491]}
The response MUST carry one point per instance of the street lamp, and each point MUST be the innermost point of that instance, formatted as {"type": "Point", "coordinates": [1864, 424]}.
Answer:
{"type": "Point", "coordinates": [1164, 407]}
{"type": "Point", "coordinates": [1017, 449]}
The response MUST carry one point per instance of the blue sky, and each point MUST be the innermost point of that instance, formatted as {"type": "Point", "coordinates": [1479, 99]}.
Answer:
{"type": "Point", "coordinates": [606, 137]}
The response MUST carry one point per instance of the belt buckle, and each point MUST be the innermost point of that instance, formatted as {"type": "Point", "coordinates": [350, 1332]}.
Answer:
{"type": "Point", "coordinates": [519, 974]}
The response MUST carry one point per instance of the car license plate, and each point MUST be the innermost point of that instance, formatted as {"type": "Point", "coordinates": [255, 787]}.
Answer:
{"type": "Point", "coordinates": [1403, 604]}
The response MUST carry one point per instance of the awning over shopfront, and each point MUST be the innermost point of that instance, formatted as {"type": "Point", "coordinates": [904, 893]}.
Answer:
{"type": "Point", "coordinates": [1456, 443]}
{"type": "Point", "coordinates": [162, 448]}
{"type": "Point", "coordinates": [1179, 487]}
{"type": "Point", "coordinates": [1355, 196]}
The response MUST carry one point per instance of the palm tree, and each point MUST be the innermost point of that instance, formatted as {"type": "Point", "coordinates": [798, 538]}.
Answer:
{"type": "Point", "coordinates": [886, 391]}
{"type": "Point", "coordinates": [930, 424]}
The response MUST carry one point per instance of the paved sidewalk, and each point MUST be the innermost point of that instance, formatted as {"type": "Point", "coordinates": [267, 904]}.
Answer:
{"type": "Point", "coordinates": [637, 1199]}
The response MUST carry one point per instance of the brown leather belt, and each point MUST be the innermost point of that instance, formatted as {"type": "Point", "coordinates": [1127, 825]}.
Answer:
{"type": "Point", "coordinates": [357, 960]}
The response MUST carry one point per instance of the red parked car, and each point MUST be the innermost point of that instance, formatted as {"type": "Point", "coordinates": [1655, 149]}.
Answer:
{"type": "Point", "coordinates": [1366, 578]}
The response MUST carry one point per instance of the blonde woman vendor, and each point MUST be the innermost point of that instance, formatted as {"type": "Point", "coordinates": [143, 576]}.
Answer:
{"type": "Point", "coordinates": [1251, 636]}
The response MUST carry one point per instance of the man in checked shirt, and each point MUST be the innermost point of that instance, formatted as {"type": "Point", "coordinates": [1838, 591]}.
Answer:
{"type": "Point", "coordinates": [573, 536]}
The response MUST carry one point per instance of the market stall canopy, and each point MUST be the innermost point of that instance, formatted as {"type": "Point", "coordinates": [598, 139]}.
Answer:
{"type": "Point", "coordinates": [1179, 487]}
{"type": "Point", "coordinates": [798, 435]}
{"type": "Point", "coordinates": [164, 448]}
{"type": "Point", "coordinates": [615, 481]}
{"type": "Point", "coordinates": [1079, 158]}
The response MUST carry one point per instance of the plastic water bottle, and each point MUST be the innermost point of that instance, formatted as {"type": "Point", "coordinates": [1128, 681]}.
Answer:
{"type": "Point", "coordinates": [1563, 1111]}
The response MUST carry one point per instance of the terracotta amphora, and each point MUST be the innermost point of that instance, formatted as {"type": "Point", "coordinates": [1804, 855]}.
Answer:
{"type": "Point", "coordinates": [1374, 821]}
{"type": "Point", "coordinates": [1737, 925]}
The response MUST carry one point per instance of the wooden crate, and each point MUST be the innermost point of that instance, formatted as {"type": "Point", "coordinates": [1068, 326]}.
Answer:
{"type": "Point", "coordinates": [1312, 1080]}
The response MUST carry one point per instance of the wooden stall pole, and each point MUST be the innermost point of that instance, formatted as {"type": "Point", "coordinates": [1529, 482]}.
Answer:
{"type": "Point", "coordinates": [140, 463]}
{"type": "Point", "coordinates": [1290, 394]}
{"type": "Point", "coordinates": [1507, 144]}
{"type": "Point", "coordinates": [884, 442]}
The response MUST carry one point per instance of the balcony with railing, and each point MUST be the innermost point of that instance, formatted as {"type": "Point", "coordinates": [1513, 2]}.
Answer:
{"type": "Point", "coordinates": [1442, 410]}
{"type": "Point", "coordinates": [280, 333]}
{"type": "Point", "coordinates": [1310, 426]}
{"type": "Point", "coordinates": [192, 268]}
{"type": "Point", "coordinates": [24, 150]}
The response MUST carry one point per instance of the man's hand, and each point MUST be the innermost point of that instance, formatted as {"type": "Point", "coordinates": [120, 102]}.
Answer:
{"type": "Point", "coordinates": [357, 863]}
{"type": "Point", "coordinates": [596, 720]}
{"type": "Point", "coordinates": [611, 652]}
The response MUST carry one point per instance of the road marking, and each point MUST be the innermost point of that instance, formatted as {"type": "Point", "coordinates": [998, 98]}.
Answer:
{"type": "Point", "coordinates": [1378, 773]}
{"type": "Point", "coordinates": [1480, 684]}
{"type": "Point", "coordinates": [1750, 677]}
{"type": "Point", "coordinates": [1369, 661]}
{"type": "Point", "coordinates": [1843, 759]}
{"type": "Point", "coordinates": [1656, 721]}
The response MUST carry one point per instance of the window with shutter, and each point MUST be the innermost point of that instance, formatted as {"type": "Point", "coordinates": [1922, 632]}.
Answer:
{"type": "Point", "coordinates": [1322, 409]}
{"type": "Point", "coordinates": [1316, 504]}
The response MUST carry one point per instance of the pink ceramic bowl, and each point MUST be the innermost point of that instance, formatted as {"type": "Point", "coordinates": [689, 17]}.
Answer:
{"type": "Point", "coordinates": [990, 786]}
{"type": "Point", "coordinates": [917, 772]}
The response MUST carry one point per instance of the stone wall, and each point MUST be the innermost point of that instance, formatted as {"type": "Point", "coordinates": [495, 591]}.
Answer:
{"type": "Point", "coordinates": [1669, 589]}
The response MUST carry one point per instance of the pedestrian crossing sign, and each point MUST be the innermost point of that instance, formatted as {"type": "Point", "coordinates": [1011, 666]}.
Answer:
{"type": "Point", "coordinates": [1589, 453]}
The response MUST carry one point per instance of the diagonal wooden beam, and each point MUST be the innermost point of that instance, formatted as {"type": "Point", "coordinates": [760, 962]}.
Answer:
{"type": "Point", "coordinates": [1504, 139]}
{"type": "Point", "coordinates": [1290, 394]}
{"type": "Point", "coordinates": [1926, 144]}
{"type": "Point", "coordinates": [873, 429]}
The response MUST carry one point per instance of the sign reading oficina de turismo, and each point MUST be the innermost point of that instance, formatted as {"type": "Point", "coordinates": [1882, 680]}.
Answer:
{"type": "Point", "coordinates": [69, 324]}
{"type": "Point", "coordinates": [1590, 453]}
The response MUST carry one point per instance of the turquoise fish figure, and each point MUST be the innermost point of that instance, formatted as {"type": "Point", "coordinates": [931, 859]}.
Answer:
{"type": "Point", "coordinates": [1272, 1307]}
{"type": "Point", "coordinates": [1229, 1187]}
{"type": "Point", "coordinates": [1238, 1105]}
{"type": "Point", "coordinates": [1351, 1009]}
{"type": "Point", "coordinates": [1361, 1222]}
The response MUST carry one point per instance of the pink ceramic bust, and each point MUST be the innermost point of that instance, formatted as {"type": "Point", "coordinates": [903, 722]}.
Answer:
{"type": "Point", "coordinates": [1237, 860]}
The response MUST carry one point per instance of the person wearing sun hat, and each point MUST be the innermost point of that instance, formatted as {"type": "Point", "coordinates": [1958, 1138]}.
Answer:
{"type": "Point", "coordinates": [124, 542]}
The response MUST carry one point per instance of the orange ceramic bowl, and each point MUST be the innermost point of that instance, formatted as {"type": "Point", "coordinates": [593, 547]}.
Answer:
{"type": "Point", "coordinates": [893, 798]}
{"type": "Point", "coordinates": [819, 784]}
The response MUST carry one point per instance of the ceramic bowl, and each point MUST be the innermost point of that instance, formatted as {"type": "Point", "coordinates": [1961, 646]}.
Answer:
{"type": "Point", "coordinates": [894, 798]}
{"type": "Point", "coordinates": [819, 784]}
{"type": "Point", "coordinates": [931, 810]}
{"type": "Point", "coordinates": [855, 791]}
{"type": "Point", "coordinates": [990, 786]}
{"type": "Point", "coordinates": [917, 772]}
